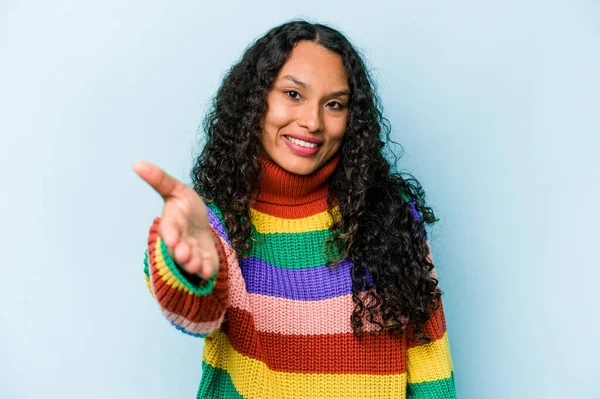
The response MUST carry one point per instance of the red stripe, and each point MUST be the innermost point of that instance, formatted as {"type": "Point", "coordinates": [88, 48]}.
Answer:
{"type": "Point", "coordinates": [379, 354]}
{"type": "Point", "coordinates": [434, 328]}
{"type": "Point", "coordinates": [293, 212]}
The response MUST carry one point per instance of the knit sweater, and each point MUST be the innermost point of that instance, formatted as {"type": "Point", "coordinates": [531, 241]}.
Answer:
{"type": "Point", "coordinates": [277, 324]}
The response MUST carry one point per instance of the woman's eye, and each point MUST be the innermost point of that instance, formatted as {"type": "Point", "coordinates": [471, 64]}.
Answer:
{"type": "Point", "coordinates": [294, 95]}
{"type": "Point", "coordinates": [336, 105]}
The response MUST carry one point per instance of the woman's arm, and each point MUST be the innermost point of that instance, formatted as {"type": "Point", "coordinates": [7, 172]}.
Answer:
{"type": "Point", "coordinates": [429, 365]}
{"type": "Point", "coordinates": [194, 292]}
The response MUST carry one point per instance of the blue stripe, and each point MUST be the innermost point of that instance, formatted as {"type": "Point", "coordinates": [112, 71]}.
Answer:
{"type": "Point", "coordinates": [310, 284]}
{"type": "Point", "coordinates": [215, 222]}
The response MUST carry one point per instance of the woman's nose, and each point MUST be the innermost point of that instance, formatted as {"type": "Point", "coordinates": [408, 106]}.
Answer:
{"type": "Point", "coordinates": [311, 118]}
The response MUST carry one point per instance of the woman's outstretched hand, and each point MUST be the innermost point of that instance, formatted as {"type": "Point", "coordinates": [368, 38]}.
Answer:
{"type": "Point", "coordinates": [184, 225]}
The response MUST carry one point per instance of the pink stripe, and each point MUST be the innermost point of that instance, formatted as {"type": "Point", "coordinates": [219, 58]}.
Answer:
{"type": "Point", "coordinates": [190, 326]}
{"type": "Point", "coordinates": [238, 296]}
{"type": "Point", "coordinates": [289, 316]}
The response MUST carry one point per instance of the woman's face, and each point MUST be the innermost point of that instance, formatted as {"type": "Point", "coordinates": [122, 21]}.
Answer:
{"type": "Point", "coordinates": [307, 110]}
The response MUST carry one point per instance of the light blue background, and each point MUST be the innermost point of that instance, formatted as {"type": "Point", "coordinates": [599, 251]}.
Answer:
{"type": "Point", "coordinates": [497, 106]}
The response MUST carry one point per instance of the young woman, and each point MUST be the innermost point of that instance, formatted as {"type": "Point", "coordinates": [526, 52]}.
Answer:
{"type": "Point", "coordinates": [299, 255]}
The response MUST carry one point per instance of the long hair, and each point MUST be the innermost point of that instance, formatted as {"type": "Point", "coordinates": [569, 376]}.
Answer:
{"type": "Point", "coordinates": [381, 228]}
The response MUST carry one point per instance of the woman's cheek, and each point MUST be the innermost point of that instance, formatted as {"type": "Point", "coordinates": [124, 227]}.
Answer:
{"type": "Point", "coordinates": [279, 116]}
{"type": "Point", "coordinates": [338, 130]}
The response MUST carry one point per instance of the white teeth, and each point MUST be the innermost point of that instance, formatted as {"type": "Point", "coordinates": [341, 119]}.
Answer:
{"type": "Point", "coordinates": [301, 143]}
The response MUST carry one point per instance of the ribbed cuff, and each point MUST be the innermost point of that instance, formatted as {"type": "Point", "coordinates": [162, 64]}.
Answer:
{"type": "Point", "coordinates": [193, 283]}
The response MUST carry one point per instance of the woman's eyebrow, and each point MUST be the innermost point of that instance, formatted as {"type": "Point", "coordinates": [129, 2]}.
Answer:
{"type": "Point", "coordinates": [340, 93]}
{"type": "Point", "coordinates": [296, 81]}
{"type": "Point", "coordinates": [303, 85]}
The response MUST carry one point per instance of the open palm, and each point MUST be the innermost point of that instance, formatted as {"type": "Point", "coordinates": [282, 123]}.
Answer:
{"type": "Point", "coordinates": [184, 225]}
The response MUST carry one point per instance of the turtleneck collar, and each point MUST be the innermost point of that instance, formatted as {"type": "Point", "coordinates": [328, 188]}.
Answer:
{"type": "Point", "coordinates": [280, 187]}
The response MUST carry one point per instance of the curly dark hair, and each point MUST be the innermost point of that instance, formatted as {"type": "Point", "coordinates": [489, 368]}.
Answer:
{"type": "Point", "coordinates": [383, 213]}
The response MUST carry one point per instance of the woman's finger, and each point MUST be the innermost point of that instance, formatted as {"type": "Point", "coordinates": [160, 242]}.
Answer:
{"type": "Point", "coordinates": [182, 252]}
{"type": "Point", "coordinates": [209, 266]}
{"type": "Point", "coordinates": [170, 231]}
{"type": "Point", "coordinates": [158, 179]}
{"type": "Point", "coordinates": [194, 265]}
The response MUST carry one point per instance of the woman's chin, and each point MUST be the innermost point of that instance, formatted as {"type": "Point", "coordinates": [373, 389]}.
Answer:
{"type": "Point", "coordinates": [300, 168]}
{"type": "Point", "coordinates": [296, 164]}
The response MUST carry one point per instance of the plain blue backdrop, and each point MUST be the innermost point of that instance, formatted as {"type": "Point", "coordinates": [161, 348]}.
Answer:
{"type": "Point", "coordinates": [497, 106]}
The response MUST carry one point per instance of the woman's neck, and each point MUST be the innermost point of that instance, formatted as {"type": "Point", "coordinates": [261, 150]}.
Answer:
{"type": "Point", "coordinates": [281, 188]}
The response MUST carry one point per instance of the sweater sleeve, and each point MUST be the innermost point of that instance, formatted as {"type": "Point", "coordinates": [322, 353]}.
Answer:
{"type": "Point", "coordinates": [195, 307]}
{"type": "Point", "coordinates": [429, 364]}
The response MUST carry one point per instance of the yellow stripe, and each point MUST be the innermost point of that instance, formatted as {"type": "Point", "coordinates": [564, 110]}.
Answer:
{"type": "Point", "coordinates": [429, 362]}
{"type": "Point", "coordinates": [266, 224]}
{"type": "Point", "coordinates": [165, 273]}
{"type": "Point", "coordinates": [253, 379]}
{"type": "Point", "coordinates": [148, 284]}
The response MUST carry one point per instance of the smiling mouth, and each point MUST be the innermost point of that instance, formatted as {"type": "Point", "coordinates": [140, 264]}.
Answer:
{"type": "Point", "coordinates": [301, 143]}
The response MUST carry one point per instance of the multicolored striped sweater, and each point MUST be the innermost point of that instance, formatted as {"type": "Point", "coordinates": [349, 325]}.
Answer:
{"type": "Point", "coordinates": [277, 324]}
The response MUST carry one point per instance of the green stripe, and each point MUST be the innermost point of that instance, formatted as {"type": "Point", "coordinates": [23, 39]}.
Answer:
{"type": "Point", "coordinates": [146, 268]}
{"type": "Point", "coordinates": [274, 248]}
{"type": "Point", "coordinates": [432, 389]}
{"type": "Point", "coordinates": [216, 383]}
{"type": "Point", "coordinates": [203, 289]}
{"type": "Point", "coordinates": [405, 197]}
